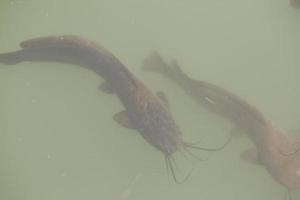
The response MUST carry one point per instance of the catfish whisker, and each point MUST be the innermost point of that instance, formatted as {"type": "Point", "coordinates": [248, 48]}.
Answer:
{"type": "Point", "coordinates": [191, 145]}
{"type": "Point", "coordinates": [170, 167]}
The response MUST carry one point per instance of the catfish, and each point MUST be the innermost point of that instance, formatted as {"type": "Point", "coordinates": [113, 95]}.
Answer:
{"type": "Point", "coordinates": [276, 150]}
{"type": "Point", "coordinates": [143, 111]}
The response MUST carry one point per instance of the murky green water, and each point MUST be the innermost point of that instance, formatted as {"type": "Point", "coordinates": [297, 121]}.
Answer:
{"type": "Point", "coordinates": [58, 139]}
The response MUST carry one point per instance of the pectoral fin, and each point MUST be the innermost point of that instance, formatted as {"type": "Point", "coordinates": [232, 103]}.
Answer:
{"type": "Point", "coordinates": [161, 95]}
{"type": "Point", "coordinates": [123, 119]}
{"type": "Point", "coordinates": [105, 87]}
{"type": "Point", "coordinates": [250, 155]}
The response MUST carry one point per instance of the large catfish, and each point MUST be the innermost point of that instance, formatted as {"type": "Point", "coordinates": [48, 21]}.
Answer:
{"type": "Point", "coordinates": [277, 151]}
{"type": "Point", "coordinates": [144, 111]}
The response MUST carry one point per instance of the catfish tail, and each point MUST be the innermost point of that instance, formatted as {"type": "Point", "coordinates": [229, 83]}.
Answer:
{"type": "Point", "coordinates": [65, 49]}
{"type": "Point", "coordinates": [11, 58]}
{"type": "Point", "coordinates": [178, 71]}
{"type": "Point", "coordinates": [71, 49]}
{"type": "Point", "coordinates": [155, 63]}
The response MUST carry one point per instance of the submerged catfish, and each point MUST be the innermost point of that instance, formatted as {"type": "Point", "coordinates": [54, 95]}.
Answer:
{"type": "Point", "coordinates": [275, 150]}
{"type": "Point", "coordinates": [144, 111]}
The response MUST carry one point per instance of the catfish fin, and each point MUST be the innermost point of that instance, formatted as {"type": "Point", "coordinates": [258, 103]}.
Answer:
{"type": "Point", "coordinates": [154, 63]}
{"type": "Point", "coordinates": [251, 156]}
{"type": "Point", "coordinates": [122, 118]}
{"type": "Point", "coordinates": [162, 96]}
{"type": "Point", "coordinates": [175, 65]}
{"type": "Point", "coordinates": [106, 88]}
{"type": "Point", "coordinates": [177, 69]}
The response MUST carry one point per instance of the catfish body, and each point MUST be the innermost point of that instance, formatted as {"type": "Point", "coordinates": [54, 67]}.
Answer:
{"type": "Point", "coordinates": [144, 111]}
{"type": "Point", "coordinates": [275, 149]}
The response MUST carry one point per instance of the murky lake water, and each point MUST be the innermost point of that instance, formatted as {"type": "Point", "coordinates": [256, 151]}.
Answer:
{"type": "Point", "coordinates": [58, 139]}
